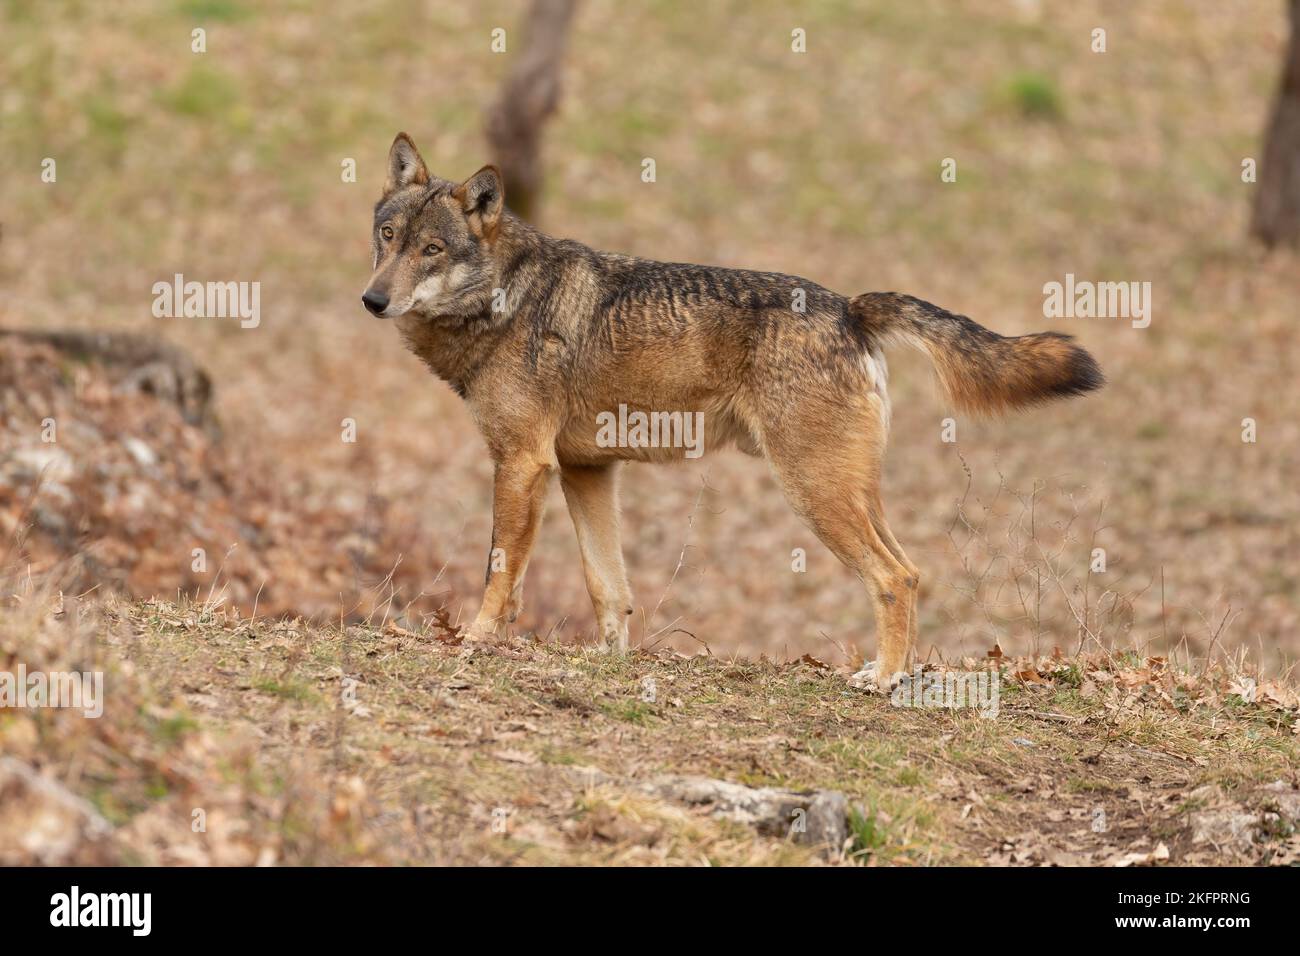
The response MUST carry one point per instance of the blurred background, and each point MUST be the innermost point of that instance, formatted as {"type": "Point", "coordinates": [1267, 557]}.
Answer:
{"type": "Point", "coordinates": [231, 164]}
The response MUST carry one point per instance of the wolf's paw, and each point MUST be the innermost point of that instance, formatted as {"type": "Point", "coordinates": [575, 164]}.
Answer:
{"type": "Point", "coordinates": [870, 680]}
{"type": "Point", "coordinates": [865, 679]}
{"type": "Point", "coordinates": [612, 637]}
{"type": "Point", "coordinates": [481, 634]}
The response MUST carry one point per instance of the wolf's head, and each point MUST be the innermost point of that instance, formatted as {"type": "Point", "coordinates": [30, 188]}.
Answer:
{"type": "Point", "coordinates": [433, 240]}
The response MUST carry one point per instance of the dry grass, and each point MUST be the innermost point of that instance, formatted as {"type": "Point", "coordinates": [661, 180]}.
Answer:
{"type": "Point", "coordinates": [378, 744]}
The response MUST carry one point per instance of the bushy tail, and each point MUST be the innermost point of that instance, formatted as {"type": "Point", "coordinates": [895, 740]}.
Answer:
{"type": "Point", "coordinates": [981, 371]}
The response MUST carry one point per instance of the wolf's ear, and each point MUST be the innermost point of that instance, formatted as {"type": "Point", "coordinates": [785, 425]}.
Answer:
{"type": "Point", "coordinates": [405, 167]}
{"type": "Point", "coordinates": [482, 196]}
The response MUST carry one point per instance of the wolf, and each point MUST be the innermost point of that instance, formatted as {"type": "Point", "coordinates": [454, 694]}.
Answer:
{"type": "Point", "coordinates": [544, 337]}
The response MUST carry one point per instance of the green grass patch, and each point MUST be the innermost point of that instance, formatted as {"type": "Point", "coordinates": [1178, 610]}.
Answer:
{"type": "Point", "coordinates": [1036, 96]}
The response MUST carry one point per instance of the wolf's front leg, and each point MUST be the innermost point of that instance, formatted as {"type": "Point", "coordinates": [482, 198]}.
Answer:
{"type": "Point", "coordinates": [515, 603]}
{"type": "Point", "coordinates": [592, 494]}
{"type": "Point", "coordinates": [518, 499]}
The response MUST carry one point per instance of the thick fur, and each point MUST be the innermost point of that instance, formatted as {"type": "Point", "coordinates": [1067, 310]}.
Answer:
{"type": "Point", "coordinates": [981, 371]}
{"type": "Point", "coordinates": [540, 336]}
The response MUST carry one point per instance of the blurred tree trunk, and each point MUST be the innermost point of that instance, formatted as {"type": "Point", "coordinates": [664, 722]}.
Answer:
{"type": "Point", "coordinates": [529, 96]}
{"type": "Point", "coordinates": [1276, 219]}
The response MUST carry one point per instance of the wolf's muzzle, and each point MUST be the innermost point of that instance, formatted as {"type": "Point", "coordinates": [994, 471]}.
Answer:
{"type": "Point", "coordinates": [376, 302]}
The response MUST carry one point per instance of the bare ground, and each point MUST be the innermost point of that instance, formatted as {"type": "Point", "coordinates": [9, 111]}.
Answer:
{"type": "Point", "coordinates": [379, 744]}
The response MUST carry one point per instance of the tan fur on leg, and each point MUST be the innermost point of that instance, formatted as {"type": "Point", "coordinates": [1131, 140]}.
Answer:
{"type": "Point", "coordinates": [592, 494]}
{"type": "Point", "coordinates": [518, 499]}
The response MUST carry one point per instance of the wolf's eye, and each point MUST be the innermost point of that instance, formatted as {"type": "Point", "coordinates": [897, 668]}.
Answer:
{"type": "Point", "coordinates": [432, 249]}
{"type": "Point", "coordinates": [386, 231]}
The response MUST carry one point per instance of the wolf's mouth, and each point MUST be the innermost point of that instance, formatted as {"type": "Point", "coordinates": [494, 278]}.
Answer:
{"type": "Point", "coordinates": [389, 309]}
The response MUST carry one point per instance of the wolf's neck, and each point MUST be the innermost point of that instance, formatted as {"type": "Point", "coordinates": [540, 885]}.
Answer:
{"type": "Point", "coordinates": [456, 347]}
{"type": "Point", "coordinates": [529, 264]}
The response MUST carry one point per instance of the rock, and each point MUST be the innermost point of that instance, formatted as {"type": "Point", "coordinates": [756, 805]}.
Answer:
{"type": "Point", "coordinates": [828, 820]}
{"type": "Point", "coordinates": [1248, 826]}
{"type": "Point", "coordinates": [46, 824]}
{"type": "Point", "coordinates": [36, 461]}
{"type": "Point", "coordinates": [143, 363]}
{"type": "Point", "coordinates": [814, 818]}
{"type": "Point", "coordinates": [1142, 858]}
{"type": "Point", "coordinates": [1284, 797]}
{"type": "Point", "coordinates": [141, 452]}
{"type": "Point", "coordinates": [1225, 829]}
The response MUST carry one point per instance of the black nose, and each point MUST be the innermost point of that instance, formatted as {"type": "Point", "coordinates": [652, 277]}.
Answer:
{"type": "Point", "coordinates": [376, 302]}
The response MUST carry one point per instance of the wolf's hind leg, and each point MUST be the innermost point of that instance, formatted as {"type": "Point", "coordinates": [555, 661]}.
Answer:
{"type": "Point", "coordinates": [877, 509]}
{"type": "Point", "coordinates": [827, 458]}
{"type": "Point", "coordinates": [592, 495]}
